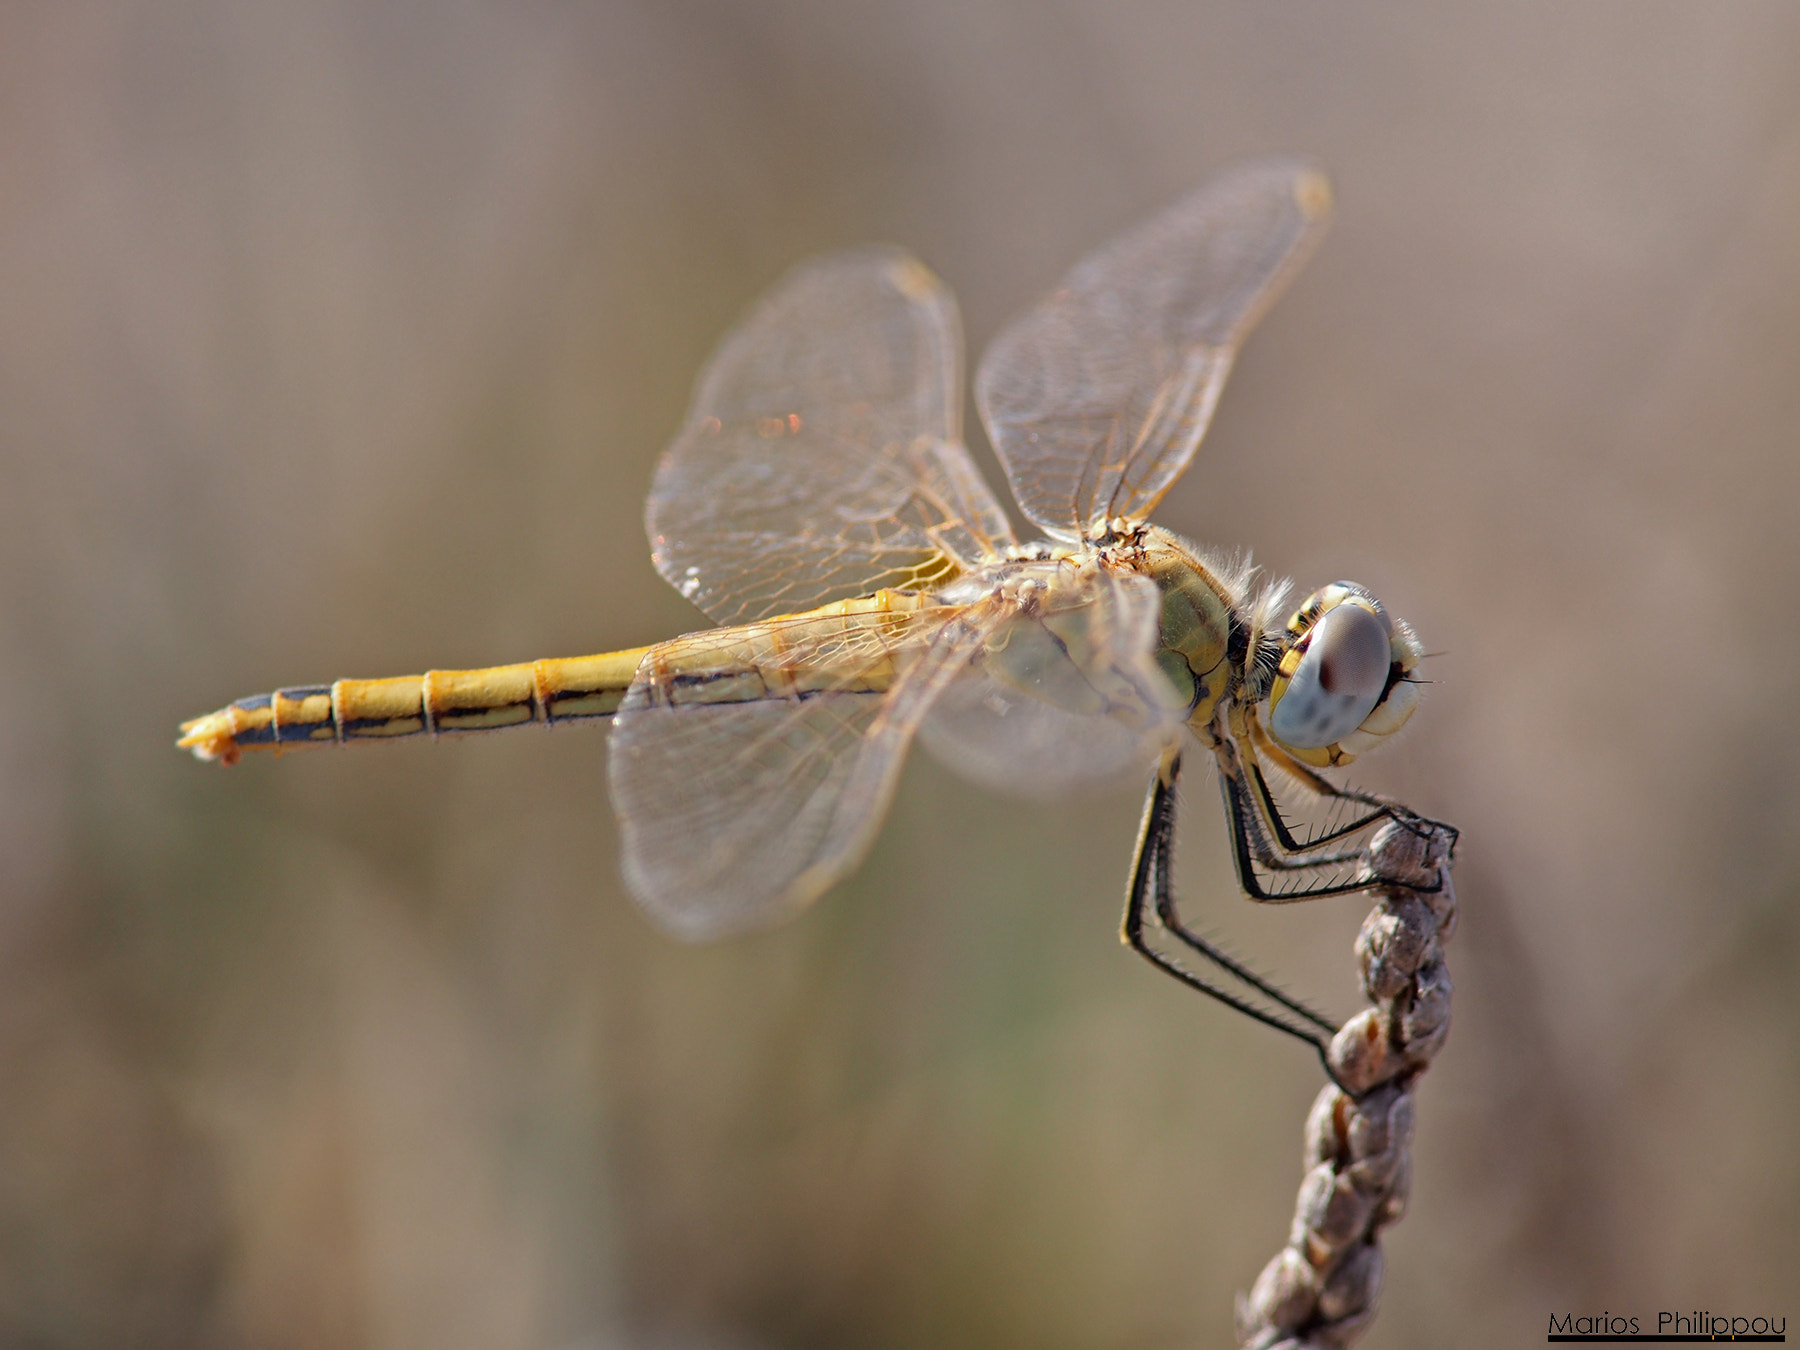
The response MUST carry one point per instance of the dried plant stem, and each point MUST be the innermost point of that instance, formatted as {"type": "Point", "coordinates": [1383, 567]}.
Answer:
{"type": "Point", "coordinates": [1321, 1289]}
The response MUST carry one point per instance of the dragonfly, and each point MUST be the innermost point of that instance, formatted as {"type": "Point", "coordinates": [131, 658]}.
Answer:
{"type": "Point", "coordinates": [819, 504]}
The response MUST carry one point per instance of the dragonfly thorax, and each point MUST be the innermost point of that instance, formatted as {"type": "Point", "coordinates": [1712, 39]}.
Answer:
{"type": "Point", "coordinates": [1201, 600]}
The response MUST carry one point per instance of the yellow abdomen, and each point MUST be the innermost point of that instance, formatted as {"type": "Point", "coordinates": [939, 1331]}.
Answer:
{"type": "Point", "coordinates": [725, 665]}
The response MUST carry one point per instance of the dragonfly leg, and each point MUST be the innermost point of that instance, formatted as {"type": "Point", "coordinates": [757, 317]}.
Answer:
{"type": "Point", "coordinates": [1259, 746]}
{"type": "Point", "coordinates": [1264, 846]}
{"type": "Point", "coordinates": [1151, 891]}
{"type": "Point", "coordinates": [1255, 854]}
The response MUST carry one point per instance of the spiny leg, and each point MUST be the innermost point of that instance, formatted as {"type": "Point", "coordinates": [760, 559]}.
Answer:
{"type": "Point", "coordinates": [1252, 814]}
{"type": "Point", "coordinates": [1251, 849]}
{"type": "Point", "coordinates": [1257, 745]}
{"type": "Point", "coordinates": [1168, 912]}
{"type": "Point", "coordinates": [1263, 747]}
{"type": "Point", "coordinates": [1262, 839]}
{"type": "Point", "coordinates": [1150, 886]}
{"type": "Point", "coordinates": [1252, 807]}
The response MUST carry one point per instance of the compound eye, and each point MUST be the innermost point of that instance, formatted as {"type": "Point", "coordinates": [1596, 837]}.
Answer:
{"type": "Point", "coordinates": [1338, 682]}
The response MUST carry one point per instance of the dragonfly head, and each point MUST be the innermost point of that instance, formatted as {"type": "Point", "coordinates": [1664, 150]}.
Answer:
{"type": "Point", "coordinates": [1344, 681]}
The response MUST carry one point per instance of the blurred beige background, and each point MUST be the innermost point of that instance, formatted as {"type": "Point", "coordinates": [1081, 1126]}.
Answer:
{"type": "Point", "coordinates": [341, 339]}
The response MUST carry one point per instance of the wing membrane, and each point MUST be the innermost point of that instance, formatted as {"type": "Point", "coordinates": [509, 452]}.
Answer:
{"type": "Point", "coordinates": [735, 814]}
{"type": "Point", "coordinates": [1096, 398]}
{"type": "Point", "coordinates": [1066, 697]}
{"type": "Point", "coordinates": [822, 457]}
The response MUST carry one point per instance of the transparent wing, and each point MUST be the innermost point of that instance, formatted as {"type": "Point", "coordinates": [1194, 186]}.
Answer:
{"type": "Point", "coordinates": [822, 457]}
{"type": "Point", "coordinates": [1067, 696]}
{"type": "Point", "coordinates": [735, 814]}
{"type": "Point", "coordinates": [1096, 398]}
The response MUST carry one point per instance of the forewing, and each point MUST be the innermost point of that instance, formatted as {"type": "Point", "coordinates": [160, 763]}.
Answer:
{"type": "Point", "coordinates": [733, 815]}
{"type": "Point", "coordinates": [822, 456]}
{"type": "Point", "coordinates": [1096, 398]}
{"type": "Point", "coordinates": [1065, 698]}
